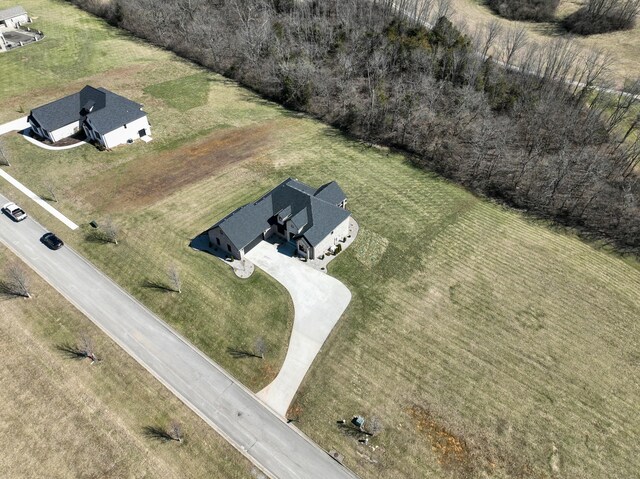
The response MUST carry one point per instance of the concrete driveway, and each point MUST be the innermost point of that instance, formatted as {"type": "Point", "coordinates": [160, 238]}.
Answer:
{"type": "Point", "coordinates": [319, 301]}
{"type": "Point", "coordinates": [279, 449]}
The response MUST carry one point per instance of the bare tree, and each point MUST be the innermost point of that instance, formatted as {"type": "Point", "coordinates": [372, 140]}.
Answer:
{"type": "Point", "coordinates": [110, 232]}
{"type": "Point", "coordinates": [260, 347]}
{"type": "Point", "coordinates": [18, 282]}
{"type": "Point", "coordinates": [175, 281]}
{"type": "Point", "coordinates": [86, 347]}
{"type": "Point", "coordinates": [175, 432]}
{"type": "Point", "coordinates": [513, 41]}
{"type": "Point", "coordinates": [375, 426]}
{"type": "Point", "coordinates": [50, 190]}
{"type": "Point", "coordinates": [4, 161]}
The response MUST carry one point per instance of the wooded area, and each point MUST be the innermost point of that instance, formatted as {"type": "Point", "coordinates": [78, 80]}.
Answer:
{"type": "Point", "coordinates": [535, 10]}
{"type": "Point", "coordinates": [563, 151]}
{"type": "Point", "coordinates": [601, 16]}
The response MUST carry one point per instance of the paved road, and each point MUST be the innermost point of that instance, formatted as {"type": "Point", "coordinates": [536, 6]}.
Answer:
{"type": "Point", "coordinates": [318, 299]}
{"type": "Point", "coordinates": [274, 446]}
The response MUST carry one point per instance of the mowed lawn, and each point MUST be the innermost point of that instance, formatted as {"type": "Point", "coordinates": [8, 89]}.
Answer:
{"type": "Point", "coordinates": [67, 418]}
{"type": "Point", "coordinates": [485, 342]}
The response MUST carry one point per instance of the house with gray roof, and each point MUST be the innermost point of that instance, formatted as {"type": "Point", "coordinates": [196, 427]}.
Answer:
{"type": "Point", "coordinates": [315, 220]}
{"type": "Point", "coordinates": [13, 17]}
{"type": "Point", "coordinates": [103, 116]}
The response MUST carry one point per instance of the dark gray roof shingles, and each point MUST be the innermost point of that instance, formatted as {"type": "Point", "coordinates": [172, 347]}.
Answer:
{"type": "Point", "coordinates": [316, 216]}
{"type": "Point", "coordinates": [331, 193]}
{"type": "Point", "coordinates": [109, 112]}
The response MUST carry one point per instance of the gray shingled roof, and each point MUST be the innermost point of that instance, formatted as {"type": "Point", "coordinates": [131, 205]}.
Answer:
{"type": "Point", "coordinates": [12, 12]}
{"type": "Point", "coordinates": [316, 216]}
{"type": "Point", "coordinates": [331, 193]}
{"type": "Point", "coordinates": [110, 111]}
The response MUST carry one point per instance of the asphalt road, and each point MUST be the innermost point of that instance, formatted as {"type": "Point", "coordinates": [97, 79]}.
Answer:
{"type": "Point", "coordinates": [275, 447]}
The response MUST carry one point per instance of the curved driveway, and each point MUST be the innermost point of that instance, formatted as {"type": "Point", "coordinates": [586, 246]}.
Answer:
{"type": "Point", "coordinates": [318, 299]}
{"type": "Point", "coordinates": [277, 448]}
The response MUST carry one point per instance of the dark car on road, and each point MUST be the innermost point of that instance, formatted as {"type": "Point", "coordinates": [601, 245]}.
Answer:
{"type": "Point", "coordinates": [14, 212]}
{"type": "Point", "coordinates": [52, 241]}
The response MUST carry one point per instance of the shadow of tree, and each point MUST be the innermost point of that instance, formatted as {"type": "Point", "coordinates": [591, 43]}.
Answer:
{"type": "Point", "coordinates": [72, 351]}
{"type": "Point", "coordinates": [7, 289]}
{"type": "Point", "coordinates": [157, 433]}
{"type": "Point", "coordinates": [153, 284]}
{"type": "Point", "coordinates": [241, 353]}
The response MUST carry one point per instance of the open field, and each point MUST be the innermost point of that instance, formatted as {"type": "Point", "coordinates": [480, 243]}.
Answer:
{"type": "Point", "coordinates": [63, 417]}
{"type": "Point", "coordinates": [622, 48]}
{"type": "Point", "coordinates": [484, 341]}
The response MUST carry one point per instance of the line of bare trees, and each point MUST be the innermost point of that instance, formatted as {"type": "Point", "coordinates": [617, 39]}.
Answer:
{"type": "Point", "coordinates": [567, 153]}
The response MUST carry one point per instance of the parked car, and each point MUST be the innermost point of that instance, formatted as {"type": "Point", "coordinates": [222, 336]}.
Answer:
{"type": "Point", "coordinates": [14, 212]}
{"type": "Point", "coordinates": [52, 241]}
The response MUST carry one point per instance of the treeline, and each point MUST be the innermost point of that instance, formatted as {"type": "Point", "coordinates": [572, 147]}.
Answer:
{"type": "Point", "coordinates": [601, 16]}
{"type": "Point", "coordinates": [564, 151]}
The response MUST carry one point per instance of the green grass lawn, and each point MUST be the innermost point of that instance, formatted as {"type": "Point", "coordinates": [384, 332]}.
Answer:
{"type": "Point", "coordinates": [485, 342]}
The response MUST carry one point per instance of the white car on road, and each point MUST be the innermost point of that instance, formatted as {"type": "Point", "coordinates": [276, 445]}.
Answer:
{"type": "Point", "coordinates": [14, 211]}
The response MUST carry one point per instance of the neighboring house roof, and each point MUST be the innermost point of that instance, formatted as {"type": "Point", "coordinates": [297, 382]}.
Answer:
{"type": "Point", "coordinates": [12, 12]}
{"type": "Point", "coordinates": [105, 110]}
{"type": "Point", "coordinates": [313, 216]}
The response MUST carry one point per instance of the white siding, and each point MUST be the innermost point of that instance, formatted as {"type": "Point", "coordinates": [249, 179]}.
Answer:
{"type": "Point", "coordinates": [65, 131]}
{"type": "Point", "coordinates": [16, 21]}
{"type": "Point", "coordinates": [130, 131]}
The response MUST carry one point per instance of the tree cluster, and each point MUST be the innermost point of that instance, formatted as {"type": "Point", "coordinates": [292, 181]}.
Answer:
{"type": "Point", "coordinates": [540, 137]}
{"type": "Point", "coordinates": [534, 10]}
{"type": "Point", "coordinates": [602, 16]}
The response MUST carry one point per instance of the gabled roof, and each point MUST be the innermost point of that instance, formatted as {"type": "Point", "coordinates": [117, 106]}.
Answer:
{"type": "Point", "coordinates": [106, 110]}
{"type": "Point", "coordinates": [315, 216]}
{"type": "Point", "coordinates": [12, 12]}
{"type": "Point", "coordinates": [331, 193]}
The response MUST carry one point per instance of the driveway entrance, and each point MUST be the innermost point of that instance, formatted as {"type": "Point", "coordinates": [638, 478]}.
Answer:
{"type": "Point", "coordinates": [318, 299]}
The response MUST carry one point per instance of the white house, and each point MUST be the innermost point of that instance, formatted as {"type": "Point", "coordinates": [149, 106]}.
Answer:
{"type": "Point", "coordinates": [13, 17]}
{"type": "Point", "coordinates": [315, 220]}
{"type": "Point", "coordinates": [104, 117]}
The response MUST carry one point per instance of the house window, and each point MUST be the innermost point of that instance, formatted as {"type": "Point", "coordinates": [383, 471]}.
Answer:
{"type": "Point", "coordinates": [229, 248]}
{"type": "Point", "coordinates": [218, 241]}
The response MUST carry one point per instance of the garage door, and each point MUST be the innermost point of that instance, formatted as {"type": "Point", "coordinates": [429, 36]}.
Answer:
{"type": "Point", "coordinates": [252, 244]}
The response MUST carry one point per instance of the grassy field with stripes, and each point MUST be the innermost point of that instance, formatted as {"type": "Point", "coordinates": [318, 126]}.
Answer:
{"type": "Point", "coordinates": [488, 344]}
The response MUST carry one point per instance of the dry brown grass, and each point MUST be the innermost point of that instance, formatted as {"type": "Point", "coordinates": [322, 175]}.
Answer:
{"type": "Point", "coordinates": [68, 418]}
{"type": "Point", "coordinates": [155, 176]}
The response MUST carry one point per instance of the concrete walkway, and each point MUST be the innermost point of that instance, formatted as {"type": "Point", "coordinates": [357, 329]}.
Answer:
{"type": "Point", "coordinates": [38, 200]}
{"type": "Point", "coordinates": [15, 125]}
{"type": "Point", "coordinates": [319, 301]}
{"type": "Point", "coordinates": [27, 136]}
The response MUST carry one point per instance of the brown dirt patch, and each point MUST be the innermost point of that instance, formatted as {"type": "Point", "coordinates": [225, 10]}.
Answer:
{"type": "Point", "coordinates": [149, 179]}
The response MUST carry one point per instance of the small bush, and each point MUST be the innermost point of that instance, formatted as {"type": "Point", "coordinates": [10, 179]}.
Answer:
{"type": "Point", "coordinates": [534, 10]}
